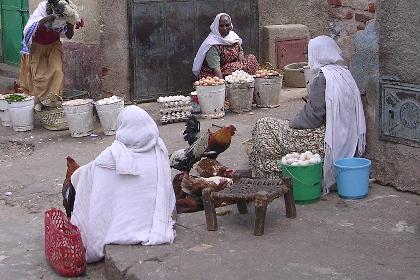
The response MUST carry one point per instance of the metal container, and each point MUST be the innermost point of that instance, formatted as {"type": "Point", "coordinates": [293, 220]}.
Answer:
{"type": "Point", "coordinates": [267, 91]}
{"type": "Point", "coordinates": [108, 114]}
{"type": "Point", "coordinates": [240, 96]}
{"type": "Point", "coordinates": [212, 101]}
{"type": "Point", "coordinates": [80, 119]}
{"type": "Point", "coordinates": [22, 114]}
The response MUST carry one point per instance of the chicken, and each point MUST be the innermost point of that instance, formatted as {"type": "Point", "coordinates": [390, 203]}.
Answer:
{"type": "Point", "coordinates": [17, 88]}
{"type": "Point", "coordinates": [195, 185]}
{"type": "Point", "coordinates": [189, 204]}
{"type": "Point", "coordinates": [66, 10]}
{"type": "Point", "coordinates": [176, 183]}
{"type": "Point", "coordinates": [68, 191]}
{"type": "Point", "coordinates": [211, 167]}
{"type": "Point", "coordinates": [209, 144]}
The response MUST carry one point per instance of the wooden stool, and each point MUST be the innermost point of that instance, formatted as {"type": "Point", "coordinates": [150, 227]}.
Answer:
{"type": "Point", "coordinates": [261, 191]}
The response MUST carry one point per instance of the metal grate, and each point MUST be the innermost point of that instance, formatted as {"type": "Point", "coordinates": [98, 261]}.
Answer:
{"type": "Point", "coordinates": [400, 111]}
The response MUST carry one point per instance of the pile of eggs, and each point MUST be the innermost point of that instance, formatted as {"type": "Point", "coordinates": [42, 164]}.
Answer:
{"type": "Point", "coordinates": [77, 102]}
{"type": "Point", "coordinates": [263, 73]}
{"type": "Point", "coordinates": [239, 76]}
{"type": "Point", "coordinates": [303, 159]}
{"type": "Point", "coordinates": [109, 100]}
{"type": "Point", "coordinates": [174, 108]}
{"type": "Point", "coordinates": [209, 81]}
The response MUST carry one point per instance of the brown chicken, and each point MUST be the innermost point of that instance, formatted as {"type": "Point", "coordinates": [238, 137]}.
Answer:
{"type": "Point", "coordinates": [209, 145]}
{"type": "Point", "coordinates": [68, 191]}
{"type": "Point", "coordinates": [210, 167]}
{"type": "Point", "coordinates": [191, 189]}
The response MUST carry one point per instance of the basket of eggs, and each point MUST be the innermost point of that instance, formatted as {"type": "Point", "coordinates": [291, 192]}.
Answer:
{"type": "Point", "coordinates": [211, 96]}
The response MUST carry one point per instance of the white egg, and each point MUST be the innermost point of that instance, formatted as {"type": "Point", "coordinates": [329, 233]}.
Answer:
{"type": "Point", "coordinates": [313, 160]}
{"type": "Point", "coordinates": [295, 155]}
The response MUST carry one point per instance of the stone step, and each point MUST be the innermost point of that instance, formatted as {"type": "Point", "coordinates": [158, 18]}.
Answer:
{"type": "Point", "coordinates": [9, 71]}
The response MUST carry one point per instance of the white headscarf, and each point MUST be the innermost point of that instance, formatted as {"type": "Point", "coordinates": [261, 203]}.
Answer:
{"type": "Point", "coordinates": [214, 38]}
{"type": "Point", "coordinates": [131, 207]}
{"type": "Point", "coordinates": [345, 121]}
{"type": "Point", "coordinates": [136, 133]}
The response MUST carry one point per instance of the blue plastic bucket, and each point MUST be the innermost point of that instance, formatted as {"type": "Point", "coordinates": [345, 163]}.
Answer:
{"type": "Point", "coordinates": [352, 175]}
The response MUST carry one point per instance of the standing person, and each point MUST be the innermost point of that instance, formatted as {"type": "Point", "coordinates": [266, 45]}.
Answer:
{"type": "Point", "coordinates": [221, 53]}
{"type": "Point", "coordinates": [332, 119]}
{"type": "Point", "coordinates": [41, 68]}
{"type": "Point", "coordinates": [125, 195]}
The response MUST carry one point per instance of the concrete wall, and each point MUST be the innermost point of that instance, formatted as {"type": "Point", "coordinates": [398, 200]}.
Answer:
{"type": "Point", "coordinates": [115, 48]}
{"type": "Point", "coordinates": [389, 48]}
{"type": "Point", "coordinates": [346, 18]}
{"type": "Point", "coordinates": [312, 13]}
{"type": "Point", "coordinates": [341, 18]}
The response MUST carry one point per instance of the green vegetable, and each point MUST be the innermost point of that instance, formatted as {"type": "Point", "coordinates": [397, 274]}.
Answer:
{"type": "Point", "coordinates": [15, 98]}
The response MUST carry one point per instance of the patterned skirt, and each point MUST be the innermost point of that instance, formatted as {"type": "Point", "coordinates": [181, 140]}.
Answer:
{"type": "Point", "coordinates": [273, 139]}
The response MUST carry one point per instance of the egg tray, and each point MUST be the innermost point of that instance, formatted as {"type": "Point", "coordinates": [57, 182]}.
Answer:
{"type": "Point", "coordinates": [173, 118]}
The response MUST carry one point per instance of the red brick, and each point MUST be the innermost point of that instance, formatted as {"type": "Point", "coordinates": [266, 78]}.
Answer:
{"type": "Point", "coordinates": [363, 17]}
{"type": "Point", "coordinates": [372, 7]}
{"type": "Point", "coordinates": [334, 2]}
{"type": "Point", "coordinates": [361, 26]}
{"type": "Point", "coordinates": [340, 12]}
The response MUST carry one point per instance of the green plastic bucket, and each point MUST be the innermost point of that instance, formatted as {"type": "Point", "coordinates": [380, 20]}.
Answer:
{"type": "Point", "coordinates": [306, 181]}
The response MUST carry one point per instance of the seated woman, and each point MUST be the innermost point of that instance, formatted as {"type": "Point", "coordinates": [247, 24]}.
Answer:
{"type": "Point", "coordinates": [221, 53]}
{"type": "Point", "coordinates": [332, 119]}
{"type": "Point", "coordinates": [125, 195]}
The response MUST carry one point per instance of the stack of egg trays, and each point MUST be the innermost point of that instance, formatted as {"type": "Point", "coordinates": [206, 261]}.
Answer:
{"type": "Point", "coordinates": [174, 111]}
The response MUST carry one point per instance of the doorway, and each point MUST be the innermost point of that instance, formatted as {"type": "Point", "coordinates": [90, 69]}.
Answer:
{"type": "Point", "coordinates": [14, 15]}
{"type": "Point", "coordinates": [165, 36]}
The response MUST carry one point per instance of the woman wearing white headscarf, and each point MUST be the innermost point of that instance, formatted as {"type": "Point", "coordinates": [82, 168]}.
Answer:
{"type": "Point", "coordinates": [125, 196]}
{"type": "Point", "coordinates": [331, 123]}
{"type": "Point", "coordinates": [221, 53]}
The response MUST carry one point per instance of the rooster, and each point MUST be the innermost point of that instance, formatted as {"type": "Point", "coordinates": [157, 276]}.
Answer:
{"type": "Point", "coordinates": [209, 144]}
{"type": "Point", "coordinates": [68, 191]}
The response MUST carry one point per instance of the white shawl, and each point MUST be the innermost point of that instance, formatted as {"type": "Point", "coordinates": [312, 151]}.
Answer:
{"type": "Point", "coordinates": [214, 38]}
{"type": "Point", "coordinates": [32, 25]}
{"type": "Point", "coordinates": [125, 196]}
{"type": "Point", "coordinates": [345, 119]}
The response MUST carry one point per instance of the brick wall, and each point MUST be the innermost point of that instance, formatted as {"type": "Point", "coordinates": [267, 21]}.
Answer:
{"type": "Point", "coordinates": [346, 18]}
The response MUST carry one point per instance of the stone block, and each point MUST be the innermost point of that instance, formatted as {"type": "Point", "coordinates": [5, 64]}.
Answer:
{"type": "Point", "coordinates": [357, 4]}
{"type": "Point", "coordinates": [274, 33]}
{"type": "Point", "coordinates": [361, 17]}
{"type": "Point", "coordinates": [334, 2]}
{"type": "Point", "coordinates": [341, 12]}
{"type": "Point", "coordinates": [372, 7]}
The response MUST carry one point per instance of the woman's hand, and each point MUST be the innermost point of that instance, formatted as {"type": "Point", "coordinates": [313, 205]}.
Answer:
{"type": "Point", "coordinates": [241, 57]}
{"type": "Point", "coordinates": [70, 31]}
{"type": "Point", "coordinates": [49, 18]}
{"type": "Point", "coordinates": [217, 72]}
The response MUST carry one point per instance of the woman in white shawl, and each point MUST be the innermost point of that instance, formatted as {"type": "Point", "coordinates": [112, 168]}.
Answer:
{"type": "Point", "coordinates": [221, 53]}
{"type": "Point", "coordinates": [125, 196]}
{"type": "Point", "coordinates": [332, 122]}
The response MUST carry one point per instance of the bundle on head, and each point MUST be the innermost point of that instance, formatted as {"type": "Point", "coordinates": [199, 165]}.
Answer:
{"type": "Point", "coordinates": [65, 9]}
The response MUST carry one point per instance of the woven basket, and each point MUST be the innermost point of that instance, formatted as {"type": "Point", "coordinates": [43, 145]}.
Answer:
{"type": "Point", "coordinates": [53, 119]}
{"type": "Point", "coordinates": [63, 244]}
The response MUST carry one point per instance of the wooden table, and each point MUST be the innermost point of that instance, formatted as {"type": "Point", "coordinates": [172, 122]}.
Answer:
{"type": "Point", "coordinates": [261, 191]}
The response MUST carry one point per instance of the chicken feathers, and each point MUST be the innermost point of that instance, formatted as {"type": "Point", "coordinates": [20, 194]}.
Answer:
{"type": "Point", "coordinates": [68, 192]}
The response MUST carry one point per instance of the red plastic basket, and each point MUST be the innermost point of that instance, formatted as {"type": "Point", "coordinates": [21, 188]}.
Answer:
{"type": "Point", "coordinates": [63, 244]}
